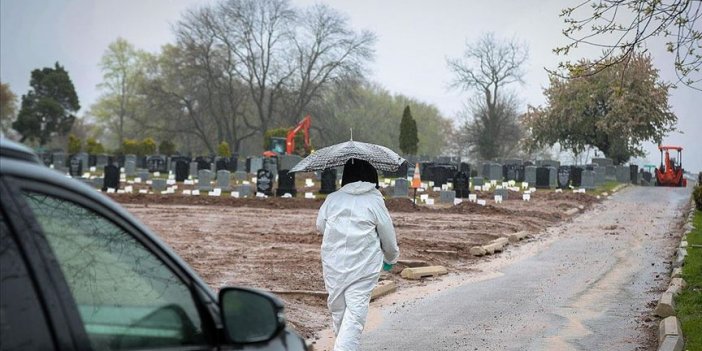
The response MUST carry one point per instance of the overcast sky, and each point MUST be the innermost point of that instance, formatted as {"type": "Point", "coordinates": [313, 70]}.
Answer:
{"type": "Point", "coordinates": [414, 39]}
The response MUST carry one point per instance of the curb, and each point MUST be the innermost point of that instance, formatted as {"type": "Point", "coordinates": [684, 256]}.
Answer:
{"type": "Point", "coordinates": [670, 335]}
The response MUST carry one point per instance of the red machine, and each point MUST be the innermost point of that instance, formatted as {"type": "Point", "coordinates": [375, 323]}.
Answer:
{"type": "Point", "coordinates": [670, 173]}
{"type": "Point", "coordinates": [289, 140]}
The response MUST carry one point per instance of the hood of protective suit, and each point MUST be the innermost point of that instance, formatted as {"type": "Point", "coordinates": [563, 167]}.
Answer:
{"type": "Point", "coordinates": [357, 188]}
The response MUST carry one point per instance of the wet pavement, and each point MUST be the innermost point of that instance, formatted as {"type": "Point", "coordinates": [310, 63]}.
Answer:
{"type": "Point", "coordinates": [588, 286]}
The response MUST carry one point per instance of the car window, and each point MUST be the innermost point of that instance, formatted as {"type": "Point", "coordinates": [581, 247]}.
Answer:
{"type": "Point", "coordinates": [19, 304]}
{"type": "Point", "coordinates": [127, 298]}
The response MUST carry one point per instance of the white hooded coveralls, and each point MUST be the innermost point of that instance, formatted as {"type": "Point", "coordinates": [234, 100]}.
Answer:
{"type": "Point", "coordinates": [358, 237]}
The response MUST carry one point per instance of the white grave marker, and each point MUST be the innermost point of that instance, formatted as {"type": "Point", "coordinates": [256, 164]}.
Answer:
{"type": "Point", "coordinates": [309, 195]}
{"type": "Point", "coordinates": [482, 202]}
{"type": "Point", "coordinates": [472, 197]}
{"type": "Point", "coordinates": [186, 192]}
{"type": "Point", "coordinates": [137, 180]}
{"type": "Point", "coordinates": [143, 191]}
{"type": "Point", "coordinates": [498, 199]}
{"type": "Point", "coordinates": [526, 197]}
{"type": "Point", "coordinates": [93, 169]}
{"type": "Point", "coordinates": [235, 194]}
{"type": "Point", "coordinates": [478, 188]}
{"type": "Point", "coordinates": [110, 190]}
{"type": "Point", "coordinates": [429, 201]}
{"type": "Point", "coordinates": [195, 192]}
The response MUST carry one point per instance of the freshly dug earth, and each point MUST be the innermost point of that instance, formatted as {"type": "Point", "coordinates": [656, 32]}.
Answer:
{"type": "Point", "coordinates": [272, 243]}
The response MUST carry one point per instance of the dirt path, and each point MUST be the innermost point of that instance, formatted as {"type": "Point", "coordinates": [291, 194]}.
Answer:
{"type": "Point", "coordinates": [585, 285]}
{"type": "Point", "coordinates": [272, 243]}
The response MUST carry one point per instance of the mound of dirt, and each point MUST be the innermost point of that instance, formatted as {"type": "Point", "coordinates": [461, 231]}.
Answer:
{"type": "Point", "coordinates": [472, 207]}
{"type": "Point", "coordinates": [270, 203]}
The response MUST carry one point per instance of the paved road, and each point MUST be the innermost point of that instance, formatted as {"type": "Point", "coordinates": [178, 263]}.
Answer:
{"type": "Point", "coordinates": [586, 288]}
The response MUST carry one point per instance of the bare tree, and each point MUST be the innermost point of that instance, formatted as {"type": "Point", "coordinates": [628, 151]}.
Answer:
{"type": "Point", "coordinates": [621, 27]}
{"type": "Point", "coordinates": [325, 51]}
{"type": "Point", "coordinates": [486, 69]}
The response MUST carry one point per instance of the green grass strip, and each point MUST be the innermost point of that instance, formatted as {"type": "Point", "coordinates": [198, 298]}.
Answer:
{"type": "Point", "coordinates": [689, 302]}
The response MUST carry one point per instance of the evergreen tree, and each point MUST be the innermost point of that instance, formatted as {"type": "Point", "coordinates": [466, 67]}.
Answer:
{"type": "Point", "coordinates": [49, 107]}
{"type": "Point", "coordinates": [408, 133]}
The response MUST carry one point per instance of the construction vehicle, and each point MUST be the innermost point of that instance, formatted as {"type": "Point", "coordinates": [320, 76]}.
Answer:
{"type": "Point", "coordinates": [670, 172]}
{"type": "Point", "coordinates": [288, 142]}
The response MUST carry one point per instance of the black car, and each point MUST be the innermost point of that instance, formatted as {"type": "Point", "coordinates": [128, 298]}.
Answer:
{"type": "Point", "coordinates": [77, 272]}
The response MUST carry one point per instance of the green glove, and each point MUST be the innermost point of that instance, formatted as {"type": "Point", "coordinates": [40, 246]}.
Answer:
{"type": "Point", "coordinates": [387, 266]}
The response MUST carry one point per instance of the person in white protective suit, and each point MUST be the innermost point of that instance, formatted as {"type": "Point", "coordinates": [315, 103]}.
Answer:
{"type": "Point", "coordinates": [359, 240]}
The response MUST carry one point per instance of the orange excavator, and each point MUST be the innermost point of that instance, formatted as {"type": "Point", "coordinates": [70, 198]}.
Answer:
{"type": "Point", "coordinates": [670, 173]}
{"type": "Point", "coordinates": [289, 140]}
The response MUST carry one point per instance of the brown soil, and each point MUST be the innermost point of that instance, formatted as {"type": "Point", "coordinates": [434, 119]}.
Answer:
{"type": "Point", "coordinates": [272, 243]}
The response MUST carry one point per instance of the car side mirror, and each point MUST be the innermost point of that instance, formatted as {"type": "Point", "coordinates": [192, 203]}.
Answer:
{"type": "Point", "coordinates": [250, 315]}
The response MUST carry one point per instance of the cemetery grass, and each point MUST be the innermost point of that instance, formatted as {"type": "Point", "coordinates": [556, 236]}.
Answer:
{"type": "Point", "coordinates": [689, 302]}
{"type": "Point", "coordinates": [272, 243]}
{"type": "Point", "coordinates": [607, 187]}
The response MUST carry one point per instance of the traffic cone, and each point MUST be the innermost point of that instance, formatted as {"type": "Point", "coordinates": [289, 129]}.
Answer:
{"type": "Point", "coordinates": [416, 179]}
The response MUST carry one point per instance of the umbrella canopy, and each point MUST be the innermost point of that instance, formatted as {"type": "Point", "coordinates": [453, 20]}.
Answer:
{"type": "Point", "coordinates": [380, 157]}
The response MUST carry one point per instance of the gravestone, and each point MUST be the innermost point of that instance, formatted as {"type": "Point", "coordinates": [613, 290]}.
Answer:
{"type": "Point", "coordinates": [289, 161]}
{"type": "Point", "coordinates": [58, 159]}
{"type": "Point", "coordinates": [182, 170]}
{"type": "Point", "coordinates": [492, 171]}
{"type": "Point", "coordinates": [478, 181]}
{"type": "Point", "coordinates": [193, 168]}
{"type": "Point", "coordinates": [543, 177]}
{"type": "Point", "coordinates": [264, 182]}
{"type": "Point", "coordinates": [401, 188]}
{"type": "Point", "coordinates": [602, 162]}
{"type": "Point", "coordinates": [563, 177]}
{"type": "Point", "coordinates": [513, 172]}
{"type": "Point", "coordinates": [465, 168]}
{"type": "Point", "coordinates": [439, 174]}
{"type": "Point", "coordinates": [156, 163]}
{"type": "Point", "coordinates": [410, 169]}
{"type": "Point", "coordinates": [461, 184]}
{"type": "Point", "coordinates": [244, 190]}
{"type": "Point", "coordinates": [548, 163]}
{"type": "Point", "coordinates": [102, 160]}
{"type": "Point", "coordinates": [75, 167]}
{"type": "Point", "coordinates": [92, 160]}
{"type": "Point", "coordinates": [45, 158]}
{"type": "Point", "coordinates": [130, 168]}
{"type": "Point", "coordinates": [588, 180]}
{"type": "Point", "coordinates": [221, 163]}
{"type": "Point", "coordinates": [256, 163]}
{"type": "Point", "coordinates": [286, 183]}
{"type": "Point", "coordinates": [502, 192]}
{"type": "Point", "coordinates": [117, 160]}
{"type": "Point", "coordinates": [241, 166]}
{"type": "Point", "coordinates": [143, 174]}
{"type": "Point", "coordinates": [623, 174]}
{"type": "Point", "coordinates": [203, 163]}
{"type": "Point", "coordinates": [634, 174]}
{"type": "Point", "coordinates": [111, 177]}
{"type": "Point", "coordinates": [223, 179]}
{"type": "Point", "coordinates": [447, 196]}
{"type": "Point", "coordinates": [576, 176]}
{"type": "Point", "coordinates": [241, 175]}
{"type": "Point", "coordinates": [600, 175]}
{"type": "Point", "coordinates": [234, 162]}
{"type": "Point", "coordinates": [271, 164]}
{"type": "Point", "coordinates": [401, 171]}
{"type": "Point", "coordinates": [98, 183]}
{"type": "Point", "coordinates": [83, 157]}
{"type": "Point", "coordinates": [530, 175]}
{"type": "Point", "coordinates": [130, 157]}
{"type": "Point", "coordinates": [204, 180]}
{"type": "Point", "coordinates": [158, 185]}
{"type": "Point", "coordinates": [328, 180]}
{"type": "Point", "coordinates": [141, 162]}
{"type": "Point", "coordinates": [611, 173]}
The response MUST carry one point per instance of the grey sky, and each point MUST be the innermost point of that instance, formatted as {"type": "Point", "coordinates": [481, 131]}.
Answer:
{"type": "Point", "coordinates": [414, 40]}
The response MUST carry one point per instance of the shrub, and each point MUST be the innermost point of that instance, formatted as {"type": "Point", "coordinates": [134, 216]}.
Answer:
{"type": "Point", "coordinates": [130, 147]}
{"type": "Point", "coordinates": [93, 147]}
{"type": "Point", "coordinates": [148, 146]}
{"type": "Point", "coordinates": [223, 150]}
{"type": "Point", "coordinates": [74, 144]}
{"type": "Point", "coordinates": [697, 195]}
{"type": "Point", "coordinates": [167, 148]}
